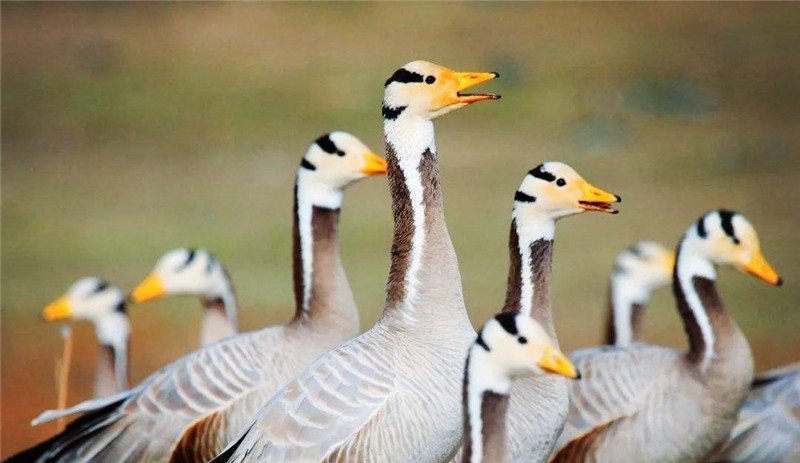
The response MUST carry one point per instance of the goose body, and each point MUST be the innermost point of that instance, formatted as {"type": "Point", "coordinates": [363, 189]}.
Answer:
{"type": "Point", "coordinates": [392, 393]}
{"type": "Point", "coordinates": [190, 409]}
{"type": "Point", "coordinates": [93, 299]}
{"type": "Point", "coordinates": [638, 271]}
{"type": "Point", "coordinates": [651, 403]}
{"type": "Point", "coordinates": [509, 346]}
{"type": "Point", "coordinates": [196, 272]}
{"type": "Point", "coordinates": [767, 429]}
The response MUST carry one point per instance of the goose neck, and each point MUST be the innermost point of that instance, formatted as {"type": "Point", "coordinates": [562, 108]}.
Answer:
{"type": "Point", "coordinates": [486, 397]}
{"type": "Point", "coordinates": [701, 309]}
{"type": "Point", "coordinates": [530, 271]}
{"type": "Point", "coordinates": [626, 304]}
{"type": "Point", "coordinates": [320, 283]}
{"type": "Point", "coordinates": [113, 333]}
{"type": "Point", "coordinates": [424, 281]}
{"type": "Point", "coordinates": [219, 316]}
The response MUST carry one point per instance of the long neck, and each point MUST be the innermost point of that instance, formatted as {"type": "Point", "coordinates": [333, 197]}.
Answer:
{"type": "Point", "coordinates": [485, 408]}
{"type": "Point", "coordinates": [111, 376]}
{"type": "Point", "coordinates": [321, 288]}
{"type": "Point", "coordinates": [219, 318]}
{"type": "Point", "coordinates": [529, 272]}
{"type": "Point", "coordinates": [424, 280]}
{"type": "Point", "coordinates": [626, 304]}
{"type": "Point", "coordinates": [702, 311]}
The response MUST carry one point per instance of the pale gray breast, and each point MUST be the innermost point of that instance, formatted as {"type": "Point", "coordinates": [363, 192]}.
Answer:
{"type": "Point", "coordinates": [768, 426]}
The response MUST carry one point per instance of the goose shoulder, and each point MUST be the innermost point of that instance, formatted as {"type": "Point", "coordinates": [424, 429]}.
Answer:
{"type": "Point", "coordinates": [615, 384]}
{"type": "Point", "coordinates": [323, 407]}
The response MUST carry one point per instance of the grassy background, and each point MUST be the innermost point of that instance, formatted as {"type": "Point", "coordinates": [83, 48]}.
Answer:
{"type": "Point", "coordinates": [128, 129]}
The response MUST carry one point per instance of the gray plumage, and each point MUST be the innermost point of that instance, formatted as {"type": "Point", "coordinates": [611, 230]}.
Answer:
{"type": "Point", "coordinates": [768, 427]}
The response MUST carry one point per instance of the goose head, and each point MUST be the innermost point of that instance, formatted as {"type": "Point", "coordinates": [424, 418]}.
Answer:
{"type": "Point", "coordinates": [429, 90]}
{"type": "Point", "coordinates": [725, 237]}
{"type": "Point", "coordinates": [647, 266]}
{"type": "Point", "coordinates": [94, 300]}
{"type": "Point", "coordinates": [554, 190]}
{"type": "Point", "coordinates": [184, 271]}
{"type": "Point", "coordinates": [513, 345]}
{"type": "Point", "coordinates": [336, 160]}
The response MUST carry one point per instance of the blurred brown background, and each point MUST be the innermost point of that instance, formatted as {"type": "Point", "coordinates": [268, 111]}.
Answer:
{"type": "Point", "coordinates": [129, 129]}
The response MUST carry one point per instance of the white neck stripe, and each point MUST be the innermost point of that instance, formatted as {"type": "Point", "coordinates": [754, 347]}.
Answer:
{"type": "Point", "coordinates": [410, 137]}
{"type": "Point", "coordinates": [528, 232]}
{"type": "Point", "coordinates": [690, 266]}
{"type": "Point", "coordinates": [624, 294]}
{"type": "Point", "coordinates": [311, 192]}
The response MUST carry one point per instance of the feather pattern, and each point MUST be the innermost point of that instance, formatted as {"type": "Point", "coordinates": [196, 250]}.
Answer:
{"type": "Point", "coordinates": [768, 426]}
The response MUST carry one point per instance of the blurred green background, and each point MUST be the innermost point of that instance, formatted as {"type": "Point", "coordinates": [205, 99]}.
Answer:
{"type": "Point", "coordinates": [129, 129]}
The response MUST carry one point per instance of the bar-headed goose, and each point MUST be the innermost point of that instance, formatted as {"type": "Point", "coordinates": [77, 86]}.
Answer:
{"type": "Point", "coordinates": [190, 409]}
{"type": "Point", "coordinates": [196, 272]}
{"type": "Point", "coordinates": [509, 346]}
{"type": "Point", "coordinates": [768, 427]}
{"type": "Point", "coordinates": [652, 403]}
{"type": "Point", "coordinates": [392, 393]}
{"type": "Point", "coordinates": [548, 193]}
{"type": "Point", "coordinates": [92, 299]}
{"type": "Point", "coordinates": [638, 271]}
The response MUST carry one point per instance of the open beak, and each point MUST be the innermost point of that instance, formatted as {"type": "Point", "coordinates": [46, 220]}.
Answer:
{"type": "Point", "coordinates": [760, 268]}
{"type": "Point", "coordinates": [466, 80]}
{"type": "Point", "coordinates": [57, 310]}
{"type": "Point", "coordinates": [150, 288]}
{"type": "Point", "coordinates": [373, 164]}
{"type": "Point", "coordinates": [595, 199]}
{"type": "Point", "coordinates": [555, 362]}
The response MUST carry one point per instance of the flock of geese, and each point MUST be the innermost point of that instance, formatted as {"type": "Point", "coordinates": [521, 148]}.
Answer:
{"type": "Point", "coordinates": [421, 385]}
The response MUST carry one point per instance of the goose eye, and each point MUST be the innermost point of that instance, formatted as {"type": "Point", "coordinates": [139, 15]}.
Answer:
{"type": "Point", "coordinates": [522, 340]}
{"type": "Point", "coordinates": [430, 79]}
{"type": "Point", "coordinates": [561, 182]}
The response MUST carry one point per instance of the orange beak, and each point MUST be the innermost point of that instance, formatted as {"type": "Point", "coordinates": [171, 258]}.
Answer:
{"type": "Point", "coordinates": [595, 199]}
{"type": "Point", "coordinates": [58, 310]}
{"type": "Point", "coordinates": [553, 361]}
{"type": "Point", "coordinates": [761, 269]}
{"type": "Point", "coordinates": [466, 80]}
{"type": "Point", "coordinates": [374, 164]}
{"type": "Point", "coordinates": [150, 288]}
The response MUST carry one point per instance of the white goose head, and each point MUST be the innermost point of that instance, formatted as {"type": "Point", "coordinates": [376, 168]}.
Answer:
{"type": "Point", "coordinates": [725, 237]}
{"type": "Point", "coordinates": [647, 266]}
{"type": "Point", "coordinates": [92, 299]}
{"type": "Point", "coordinates": [333, 162]}
{"type": "Point", "coordinates": [184, 271]}
{"type": "Point", "coordinates": [429, 90]}
{"type": "Point", "coordinates": [512, 345]}
{"type": "Point", "coordinates": [509, 346]}
{"type": "Point", "coordinates": [553, 190]}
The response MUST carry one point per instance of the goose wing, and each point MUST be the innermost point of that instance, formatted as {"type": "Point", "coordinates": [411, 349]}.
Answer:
{"type": "Point", "coordinates": [768, 427]}
{"type": "Point", "coordinates": [321, 409]}
{"type": "Point", "coordinates": [144, 423]}
{"type": "Point", "coordinates": [615, 384]}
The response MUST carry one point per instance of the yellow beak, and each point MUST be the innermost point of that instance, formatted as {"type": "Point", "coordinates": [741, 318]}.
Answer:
{"type": "Point", "coordinates": [150, 288]}
{"type": "Point", "coordinates": [595, 199]}
{"type": "Point", "coordinates": [374, 164]}
{"type": "Point", "coordinates": [760, 268]}
{"type": "Point", "coordinates": [667, 261]}
{"type": "Point", "coordinates": [465, 80]}
{"type": "Point", "coordinates": [58, 310]}
{"type": "Point", "coordinates": [555, 362]}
